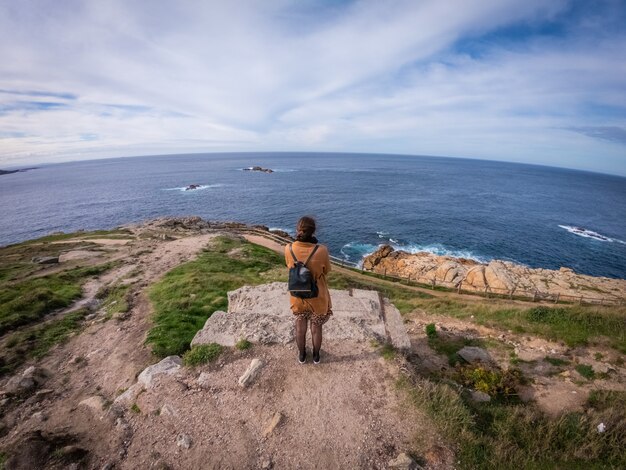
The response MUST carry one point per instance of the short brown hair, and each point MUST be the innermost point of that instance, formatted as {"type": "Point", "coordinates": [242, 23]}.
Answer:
{"type": "Point", "coordinates": [305, 228]}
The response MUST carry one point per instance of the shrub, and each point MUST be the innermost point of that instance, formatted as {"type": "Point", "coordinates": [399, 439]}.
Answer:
{"type": "Point", "coordinates": [586, 371]}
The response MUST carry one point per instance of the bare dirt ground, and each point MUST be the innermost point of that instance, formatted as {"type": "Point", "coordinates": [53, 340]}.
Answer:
{"type": "Point", "coordinates": [343, 413]}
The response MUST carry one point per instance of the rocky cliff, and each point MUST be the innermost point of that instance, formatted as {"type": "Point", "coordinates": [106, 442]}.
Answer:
{"type": "Point", "coordinates": [502, 277]}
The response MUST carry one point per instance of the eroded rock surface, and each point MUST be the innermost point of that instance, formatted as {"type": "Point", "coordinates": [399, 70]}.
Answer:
{"type": "Point", "coordinates": [261, 314]}
{"type": "Point", "coordinates": [503, 277]}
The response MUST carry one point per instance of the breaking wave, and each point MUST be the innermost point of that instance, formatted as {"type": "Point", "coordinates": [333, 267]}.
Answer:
{"type": "Point", "coordinates": [583, 232]}
{"type": "Point", "coordinates": [199, 188]}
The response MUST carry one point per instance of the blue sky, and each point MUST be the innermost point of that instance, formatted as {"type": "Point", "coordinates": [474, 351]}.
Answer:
{"type": "Point", "coordinates": [537, 81]}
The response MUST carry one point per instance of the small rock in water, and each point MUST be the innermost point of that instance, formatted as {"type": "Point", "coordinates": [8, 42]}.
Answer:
{"type": "Point", "coordinates": [184, 441]}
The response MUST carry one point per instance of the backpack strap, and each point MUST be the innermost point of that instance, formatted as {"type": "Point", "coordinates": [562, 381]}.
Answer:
{"type": "Point", "coordinates": [295, 260]}
{"type": "Point", "coordinates": [311, 255]}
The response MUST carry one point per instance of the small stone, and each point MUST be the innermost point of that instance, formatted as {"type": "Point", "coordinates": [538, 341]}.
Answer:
{"type": "Point", "coordinates": [95, 403]}
{"type": "Point", "coordinates": [273, 423]}
{"type": "Point", "coordinates": [601, 428]}
{"type": "Point", "coordinates": [169, 365]}
{"type": "Point", "coordinates": [39, 416]}
{"type": "Point", "coordinates": [404, 462]}
{"type": "Point", "coordinates": [473, 354]}
{"type": "Point", "coordinates": [480, 397]}
{"type": "Point", "coordinates": [267, 464]}
{"type": "Point", "coordinates": [204, 380]}
{"type": "Point", "coordinates": [251, 373]}
{"type": "Point", "coordinates": [184, 441]}
{"type": "Point", "coordinates": [168, 410]}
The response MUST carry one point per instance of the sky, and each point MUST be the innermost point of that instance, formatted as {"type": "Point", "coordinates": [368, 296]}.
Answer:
{"type": "Point", "coordinates": [535, 81]}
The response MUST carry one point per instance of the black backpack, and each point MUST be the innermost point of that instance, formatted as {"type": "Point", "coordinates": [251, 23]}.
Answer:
{"type": "Point", "coordinates": [301, 281]}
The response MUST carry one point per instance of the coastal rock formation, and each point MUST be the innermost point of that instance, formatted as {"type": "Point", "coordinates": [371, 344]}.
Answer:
{"type": "Point", "coordinates": [497, 276]}
{"type": "Point", "coordinates": [259, 168]}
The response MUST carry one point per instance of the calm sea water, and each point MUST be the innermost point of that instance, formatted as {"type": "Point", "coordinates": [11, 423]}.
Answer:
{"type": "Point", "coordinates": [538, 216]}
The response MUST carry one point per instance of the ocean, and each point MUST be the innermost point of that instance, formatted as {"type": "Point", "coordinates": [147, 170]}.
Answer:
{"type": "Point", "coordinates": [533, 215]}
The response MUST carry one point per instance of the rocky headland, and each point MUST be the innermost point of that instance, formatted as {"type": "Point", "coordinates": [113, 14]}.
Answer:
{"type": "Point", "coordinates": [499, 277]}
{"type": "Point", "coordinates": [8, 172]}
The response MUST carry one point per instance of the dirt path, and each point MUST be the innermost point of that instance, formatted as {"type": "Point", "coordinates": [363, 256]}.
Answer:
{"type": "Point", "coordinates": [343, 413]}
{"type": "Point", "coordinates": [103, 359]}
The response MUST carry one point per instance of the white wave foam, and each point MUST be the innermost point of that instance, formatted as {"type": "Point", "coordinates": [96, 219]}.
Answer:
{"type": "Point", "coordinates": [583, 232]}
{"type": "Point", "coordinates": [358, 251]}
{"type": "Point", "coordinates": [199, 188]}
{"type": "Point", "coordinates": [288, 230]}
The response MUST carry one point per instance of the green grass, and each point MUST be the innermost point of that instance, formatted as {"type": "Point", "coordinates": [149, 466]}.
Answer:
{"type": "Point", "coordinates": [431, 331]}
{"type": "Point", "coordinates": [243, 344]}
{"type": "Point", "coordinates": [135, 408]}
{"type": "Point", "coordinates": [507, 434]}
{"type": "Point", "coordinates": [115, 299]}
{"type": "Point", "coordinates": [28, 301]}
{"type": "Point", "coordinates": [191, 292]}
{"type": "Point", "coordinates": [555, 361]}
{"type": "Point", "coordinates": [405, 300]}
{"type": "Point", "coordinates": [201, 354]}
{"type": "Point", "coordinates": [449, 346]}
{"type": "Point", "coordinates": [586, 371]}
{"type": "Point", "coordinates": [575, 325]}
{"type": "Point", "coordinates": [36, 341]}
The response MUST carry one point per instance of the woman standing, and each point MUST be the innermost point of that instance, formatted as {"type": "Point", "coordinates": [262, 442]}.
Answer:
{"type": "Point", "coordinates": [316, 310]}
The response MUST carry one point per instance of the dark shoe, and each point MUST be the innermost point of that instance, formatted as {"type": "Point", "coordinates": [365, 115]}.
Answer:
{"type": "Point", "coordinates": [302, 357]}
{"type": "Point", "coordinates": [316, 357]}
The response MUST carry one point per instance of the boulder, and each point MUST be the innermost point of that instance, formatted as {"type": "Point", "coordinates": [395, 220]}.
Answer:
{"type": "Point", "coordinates": [169, 365]}
{"type": "Point", "coordinates": [370, 261]}
{"type": "Point", "coordinates": [475, 277]}
{"type": "Point", "coordinates": [25, 383]}
{"type": "Point", "coordinates": [450, 271]}
{"type": "Point", "coordinates": [498, 277]}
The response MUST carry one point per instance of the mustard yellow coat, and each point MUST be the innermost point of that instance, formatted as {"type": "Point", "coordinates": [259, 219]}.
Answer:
{"type": "Point", "coordinates": [319, 266]}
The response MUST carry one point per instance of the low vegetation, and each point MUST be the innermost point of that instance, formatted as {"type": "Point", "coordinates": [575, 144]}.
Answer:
{"type": "Point", "coordinates": [509, 434]}
{"type": "Point", "coordinates": [36, 341]}
{"type": "Point", "coordinates": [575, 325]}
{"type": "Point", "coordinates": [243, 344]}
{"type": "Point", "coordinates": [30, 300]}
{"type": "Point", "coordinates": [191, 292]}
{"type": "Point", "coordinates": [201, 354]}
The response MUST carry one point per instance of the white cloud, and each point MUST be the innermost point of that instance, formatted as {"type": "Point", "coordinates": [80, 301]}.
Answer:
{"type": "Point", "coordinates": [294, 75]}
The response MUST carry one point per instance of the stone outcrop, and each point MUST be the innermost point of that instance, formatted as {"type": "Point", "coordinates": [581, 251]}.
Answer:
{"type": "Point", "coordinates": [497, 276]}
{"type": "Point", "coordinates": [261, 314]}
{"type": "Point", "coordinates": [259, 168]}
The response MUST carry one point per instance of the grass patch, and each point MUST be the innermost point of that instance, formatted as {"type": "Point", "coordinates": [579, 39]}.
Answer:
{"type": "Point", "coordinates": [115, 299]}
{"type": "Point", "coordinates": [575, 325]}
{"type": "Point", "coordinates": [38, 340]}
{"type": "Point", "coordinates": [431, 331]}
{"type": "Point", "coordinates": [555, 361]}
{"type": "Point", "coordinates": [243, 344]}
{"type": "Point", "coordinates": [498, 435]}
{"type": "Point", "coordinates": [179, 314]}
{"type": "Point", "coordinates": [201, 354]}
{"type": "Point", "coordinates": [135, 408]}
{"type": "Point", "coordinates": [27, 301]}
{"type": "Point", "coordinates": [449, 346]}
{"type": "Point", "coordinates": [586, 371]}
